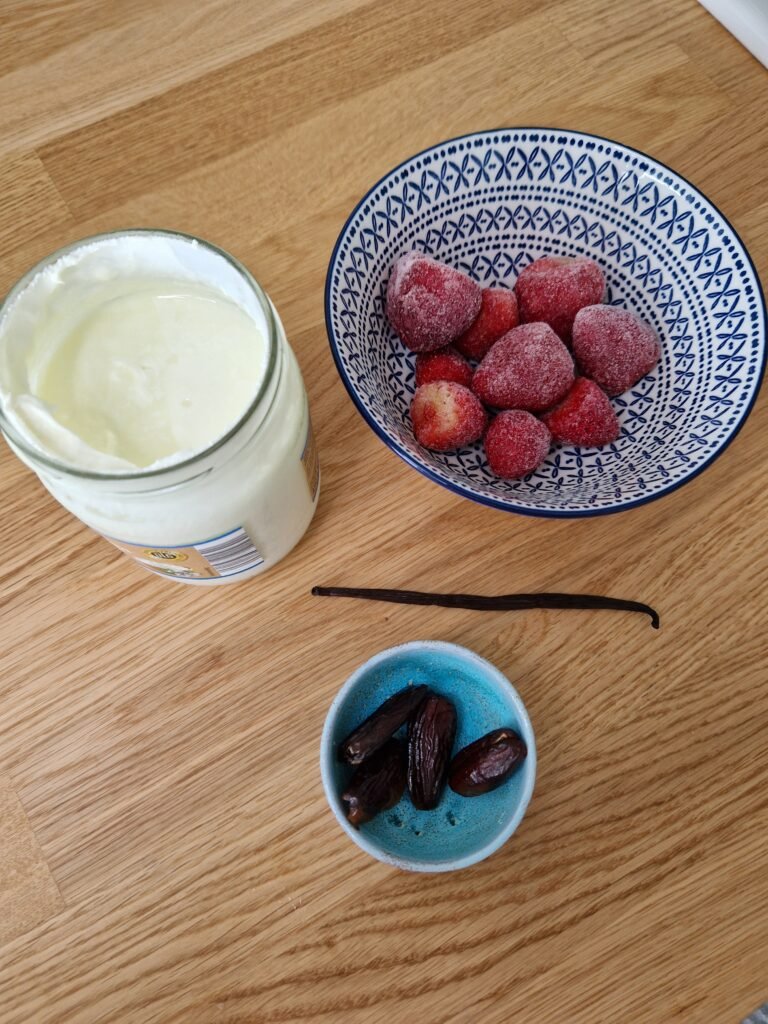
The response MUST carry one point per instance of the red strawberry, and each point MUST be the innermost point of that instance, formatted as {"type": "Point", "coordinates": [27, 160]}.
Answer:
{"type": "Point", "coordinates": [614, 347]}
{"type": "Point", "coordinates": [585, 416]}
{"type": "Point", "coordinates": [498, 314]}
{"type": "Point", "coordinates": [428, 303]}
{"type": "Point", "coordinates": [528, 368]}
{"type": "Point", "coordinates": [446, 415]}
{"type": "Point", "coordinates": [555, 288]}
{"type": "Point", "coordinates": [445, 364]}
{"type": "Point", "coordinates": [516, 443]}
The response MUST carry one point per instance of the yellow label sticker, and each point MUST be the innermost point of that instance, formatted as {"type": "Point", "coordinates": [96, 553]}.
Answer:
{"type": "Point", "coordinates": [227, 555]}
{"type": "Point", "coordinates": [166, 554]}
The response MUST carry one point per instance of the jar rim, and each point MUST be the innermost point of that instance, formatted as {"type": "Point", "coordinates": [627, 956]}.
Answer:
{"type": "Point", "coordinates": [37, 455]}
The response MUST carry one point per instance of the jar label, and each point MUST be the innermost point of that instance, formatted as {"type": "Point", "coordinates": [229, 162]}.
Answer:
{"type": "Point", "coordinates": [311, 461]}
{"type": "Point", "coordinates": [226, 555]}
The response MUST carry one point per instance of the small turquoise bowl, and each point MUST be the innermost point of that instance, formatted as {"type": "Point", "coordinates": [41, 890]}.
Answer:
{"type": "Point", "coordinates": [460, 831]}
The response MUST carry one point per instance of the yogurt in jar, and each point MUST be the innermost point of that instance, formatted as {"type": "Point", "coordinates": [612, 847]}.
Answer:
{"type": "Point", "coordinates": [147, 380]}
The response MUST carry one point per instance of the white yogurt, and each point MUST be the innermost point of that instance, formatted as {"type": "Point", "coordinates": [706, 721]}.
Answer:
{"type": "Point", "coordinates": [147, 380]}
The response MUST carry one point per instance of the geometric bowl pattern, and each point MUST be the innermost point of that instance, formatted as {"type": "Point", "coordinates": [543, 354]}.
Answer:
{"type": "Point", "coordinates": [489, 203]}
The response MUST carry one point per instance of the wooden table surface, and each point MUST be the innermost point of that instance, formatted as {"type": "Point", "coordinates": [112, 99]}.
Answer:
{"type": "Point", "coordinates": [166, 853]}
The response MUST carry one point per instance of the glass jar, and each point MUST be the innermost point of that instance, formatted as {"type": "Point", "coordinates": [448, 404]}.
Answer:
{"type": "Point", "coordinates": [226, 513]}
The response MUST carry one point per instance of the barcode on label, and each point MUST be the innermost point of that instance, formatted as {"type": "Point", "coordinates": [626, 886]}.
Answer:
{"type": "Point", "coordinates": [234, 552]}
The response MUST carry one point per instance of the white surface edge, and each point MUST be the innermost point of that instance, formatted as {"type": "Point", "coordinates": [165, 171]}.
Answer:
{"type": "Point", "coordinates": [747, 20]}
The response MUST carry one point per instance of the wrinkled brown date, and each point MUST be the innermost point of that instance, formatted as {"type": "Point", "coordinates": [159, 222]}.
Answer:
{"type": "Point", "coordinates": [430, 740]}
{"type": "Point", "coordinates": [486, 763]}
{"type": "Point", "coordinates": [366, 739]}
{"type": "Point", "coordinates": [377, 784]}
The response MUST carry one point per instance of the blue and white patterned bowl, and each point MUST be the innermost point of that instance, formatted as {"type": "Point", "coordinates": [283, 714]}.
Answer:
{"type": "Point", "coordinates": [491, 202]}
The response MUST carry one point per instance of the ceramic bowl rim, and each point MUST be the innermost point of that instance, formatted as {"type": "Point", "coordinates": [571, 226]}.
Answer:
{"type": "Point", "coordinates": [327, 756]}
{"type": "Point", "coordinates": [498, 503]}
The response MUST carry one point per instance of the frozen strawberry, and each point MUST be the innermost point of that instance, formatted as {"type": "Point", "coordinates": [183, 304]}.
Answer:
{"type": "Point", "coordinates": [428, 303]}
{"type": "Point", "coordinates": [585, 416]}
{"type": "Point", "coordinates": [555, 288]}
{"type": "Point", "coordinates": [516, 443]}
{"type": "Point", "coordinates": [446, 415]}
{"type": "Point", "coordinates": [445, 364]}
{"type": "Point", "coordinates": [528, 368]}
{"type": "Point", "coordinates": [614, 347]}
{"type": "Point", "coordinates": [498, 314]}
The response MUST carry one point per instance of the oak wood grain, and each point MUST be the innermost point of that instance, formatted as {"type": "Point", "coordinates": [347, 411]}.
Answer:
{"type": "Point", "coordinates": [174, 857]}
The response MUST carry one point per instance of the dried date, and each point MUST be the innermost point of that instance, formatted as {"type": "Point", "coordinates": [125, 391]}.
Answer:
{"type": "Point", "coordinates": [431, 733]}
{"type": "Point", "coordinates": [371, 734]}
{"type": "Point", "coordinates": [377, 784]}
{"type": "Point", "coordinates": [485, 764]}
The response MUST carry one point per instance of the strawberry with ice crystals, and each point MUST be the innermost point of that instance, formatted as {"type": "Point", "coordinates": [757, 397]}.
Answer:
{"type": "Point", "coordinates": [446, 415]}
{"type": "Point", "coordinates": [428, 303]}
{"type": "Point", "coordinates": [498, 314]}
{"type": "Point", "coordinates": [445, 364]}
{"type": "Point", "coordinates": [585, 416]}
{"type": "Point", "coordinates": [528, 368]}
{"type": "Point", "coordinates": [516, 443]}
{"type": "Point", "coordinates": [554, 288]}
{"type": "Point", "coordinates": [614, 347]}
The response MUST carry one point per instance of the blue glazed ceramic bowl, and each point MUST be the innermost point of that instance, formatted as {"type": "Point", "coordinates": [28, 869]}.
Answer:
{"type": "Point", "coordinates": [460, 831]}
{"type": "Point", "coordinates": [491, 202]}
